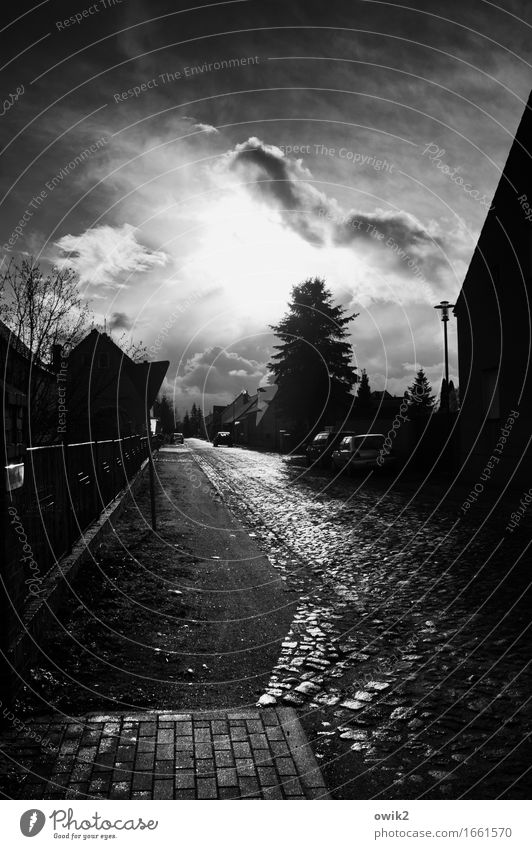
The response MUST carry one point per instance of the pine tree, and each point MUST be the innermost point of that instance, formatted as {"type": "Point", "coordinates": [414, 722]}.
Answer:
{"type": "Point", "coordinates": [364, 391]}
{"type": "Point", "coordinates": [186, 425]}
{"type": "Point", "coordinates": [312, 366]}
{"type": "Point", "coordinates": [166, 414]}
{"type": "Point", "coordinates": [420, 395]}
{"type": "Point", "coordinates": [194, 420]}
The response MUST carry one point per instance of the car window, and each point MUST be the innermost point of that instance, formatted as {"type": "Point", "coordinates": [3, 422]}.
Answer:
{"type": "Point", "coordinates": [320, 438]}
{"type": "Point", "coordinates": [369, 442]}
{"type": "Point", "coordinates": [346, 442]}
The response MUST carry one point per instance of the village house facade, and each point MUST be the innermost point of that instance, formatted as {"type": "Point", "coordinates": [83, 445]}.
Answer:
{"type": "Point", "coordinates": [107, 395]}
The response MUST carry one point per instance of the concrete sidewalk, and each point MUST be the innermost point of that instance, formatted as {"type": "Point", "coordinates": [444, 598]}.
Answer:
{"type": "Point", "coordinates": [221, 754]}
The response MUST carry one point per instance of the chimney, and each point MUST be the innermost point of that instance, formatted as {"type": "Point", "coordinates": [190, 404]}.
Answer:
{"type": "Point", "coordinates": [57, 356]}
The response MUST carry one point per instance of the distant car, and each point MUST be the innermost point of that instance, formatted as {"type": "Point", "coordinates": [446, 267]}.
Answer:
{"type": "Point", "coordinates": [319, 451]}
{"type": "Point", "coordinates": [223, 437]}
{"type": "Point", "coordinates": [362, 451]}
{"type": "Point", "coordinates": [178, 439]}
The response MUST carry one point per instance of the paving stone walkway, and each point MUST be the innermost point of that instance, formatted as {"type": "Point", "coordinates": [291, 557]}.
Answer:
{"type": "Point", "coordinates": [240, 754]}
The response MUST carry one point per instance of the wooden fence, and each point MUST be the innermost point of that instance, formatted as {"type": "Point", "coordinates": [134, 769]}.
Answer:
{"type": "Point", "coordinates": [65, 489]}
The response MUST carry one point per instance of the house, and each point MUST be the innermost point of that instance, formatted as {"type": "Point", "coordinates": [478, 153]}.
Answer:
{"type": "Point", "coordinates": [213, 421]}
{"type": "Point", "coordinates": [493, 313]}
{"type": "Point", "coordinates": [255, 420]}
{"type": "Point", "coordinates": [231, 414]}
{"type": "Point", "coordinates": [385, 404]}
{"type": "Point", "coordinates": [24, 384]}
{"type": "Point", "coordinates": [105, 394]}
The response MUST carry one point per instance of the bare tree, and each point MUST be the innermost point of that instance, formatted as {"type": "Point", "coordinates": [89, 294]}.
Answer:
{"type": "Point", "coordinates": [136, 351]}
{"type": "Point", "coordinates": [42, 310]}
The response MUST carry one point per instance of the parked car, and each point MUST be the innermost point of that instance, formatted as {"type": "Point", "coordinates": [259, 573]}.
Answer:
{"type": "Point", "coordinates": [319, 451]}
{"type": "Point", "coordinates": [223, 437]}
{"type": "Point", "coordinates": [362, 451]}
{"type": "Point", "coordinates": [178, 439]}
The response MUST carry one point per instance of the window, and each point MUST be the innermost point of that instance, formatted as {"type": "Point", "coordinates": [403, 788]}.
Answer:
{"type": "Point", "coordinates": [371, 441]}
{"type": "Point", "coordinates": [490, 393]}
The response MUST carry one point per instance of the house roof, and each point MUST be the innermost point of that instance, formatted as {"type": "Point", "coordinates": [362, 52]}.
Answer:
{"type": "Point", "coordinates": [16, 344]}
{"type": "Point", "coordinates": [505, 206]}
{"type": "Point", "coordinates": [146, 377]}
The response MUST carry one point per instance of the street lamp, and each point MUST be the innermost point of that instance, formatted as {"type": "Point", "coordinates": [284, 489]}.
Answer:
{"type": "Point", "coordinates": [445, 306]}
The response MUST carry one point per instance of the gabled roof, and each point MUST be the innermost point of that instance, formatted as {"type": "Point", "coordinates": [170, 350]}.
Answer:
{"type": "Point", "coordinates": [14, 342]}
{"type": "Point", "coordinates": [146, 377]}
{"type": "Point", "coordinates": [515, 184]}
{"type": "Point", "coordinates": [17, 345]}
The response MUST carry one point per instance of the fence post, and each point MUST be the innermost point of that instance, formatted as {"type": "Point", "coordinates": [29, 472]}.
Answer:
{"type": "Point", "coordinates": [6, 673]}
{"type": "Point", "coordinates": [113, 468]}
{"type": "Point", "coordinates": [68, 507]}
{"type": "Point", "coordinates": [97, 494]}
{"type": "Point", "coordinates": [152, 489]}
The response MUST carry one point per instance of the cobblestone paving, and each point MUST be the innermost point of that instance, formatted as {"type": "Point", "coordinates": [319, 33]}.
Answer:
{"type": "Point", "coordinates": [247, 754]}
{"type": "Point", "coordinates": [408, 656]}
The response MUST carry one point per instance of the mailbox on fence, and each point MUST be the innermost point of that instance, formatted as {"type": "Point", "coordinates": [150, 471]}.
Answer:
{"type": "Point", "coordinates": [14, 476]}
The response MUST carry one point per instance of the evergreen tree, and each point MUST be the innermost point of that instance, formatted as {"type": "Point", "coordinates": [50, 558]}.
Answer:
{"type": "Point", "coordinates": [165, 413]}
{"type": "Point", "coordinates": [364, 391]}
{"type": "Point", "coordinates": [186, 425]}
{"type": "Point", "coordinates": [420, 395]}
{"type": "Point", "coordinates": [195, 421]}
{"type": "Point", "coordinates": [312, 366]}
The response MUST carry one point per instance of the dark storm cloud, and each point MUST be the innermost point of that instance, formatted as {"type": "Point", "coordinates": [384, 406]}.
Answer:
{"type": "Point", "coordinates": [120, 321]}
{"type": "Point", "coordinates": [217, 375]}
{"type": "Point", "coordinates": [280, 181]}
{"type": "Point", "coordinates": [285, 184]}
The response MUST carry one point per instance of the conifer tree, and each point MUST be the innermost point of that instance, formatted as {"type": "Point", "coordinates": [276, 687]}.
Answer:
{"type": "Point", "coordinates": [364, 391]}
{"type": "Point", "coordinates": [312, 364]}
{"type": "Point", "coordinates": [420, 395]}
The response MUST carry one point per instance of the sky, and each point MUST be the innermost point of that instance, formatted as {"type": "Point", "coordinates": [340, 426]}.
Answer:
{"type": "Point", "coordinates": [193, 162]}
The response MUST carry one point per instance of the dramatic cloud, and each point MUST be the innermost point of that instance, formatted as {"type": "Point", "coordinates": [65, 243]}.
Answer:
{"type": "Point", "coordinates": [101, 255]}
{"type": "Point", "coordinates": [207, 128]}
{"type": "Point", "coordinates": [218, 375]}
{"type": "Point", "coordinates": [120, 321]}
{"type": "Point", "coordinates": [284, 183]}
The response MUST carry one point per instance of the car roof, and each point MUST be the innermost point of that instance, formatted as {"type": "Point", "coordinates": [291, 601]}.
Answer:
{"type": "Point", "coordinates": [327, 433]}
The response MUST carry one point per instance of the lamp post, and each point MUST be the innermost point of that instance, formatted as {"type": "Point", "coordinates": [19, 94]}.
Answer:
{"type": "Point", "coordinates": [445, 306]}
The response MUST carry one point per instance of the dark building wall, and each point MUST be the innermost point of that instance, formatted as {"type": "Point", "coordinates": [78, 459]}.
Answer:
{"type": "Point", "coordinates": [108, 395]}
{"type": "Point", "coordinates": [102, 403]}
{"type": "Point", "coordinates": [494, 327]}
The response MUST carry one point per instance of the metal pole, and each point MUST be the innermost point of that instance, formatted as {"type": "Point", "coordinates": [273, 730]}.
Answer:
{"type": "Point", "coordinates": [446, 352]}
{"type": "Point", "coordinates": [152, 486]}
{"type": "Point", "coordinates": [445, 306]}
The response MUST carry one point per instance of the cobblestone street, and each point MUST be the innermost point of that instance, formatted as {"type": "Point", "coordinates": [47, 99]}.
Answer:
{"type": "Point", "coordinates": [407, 656]}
